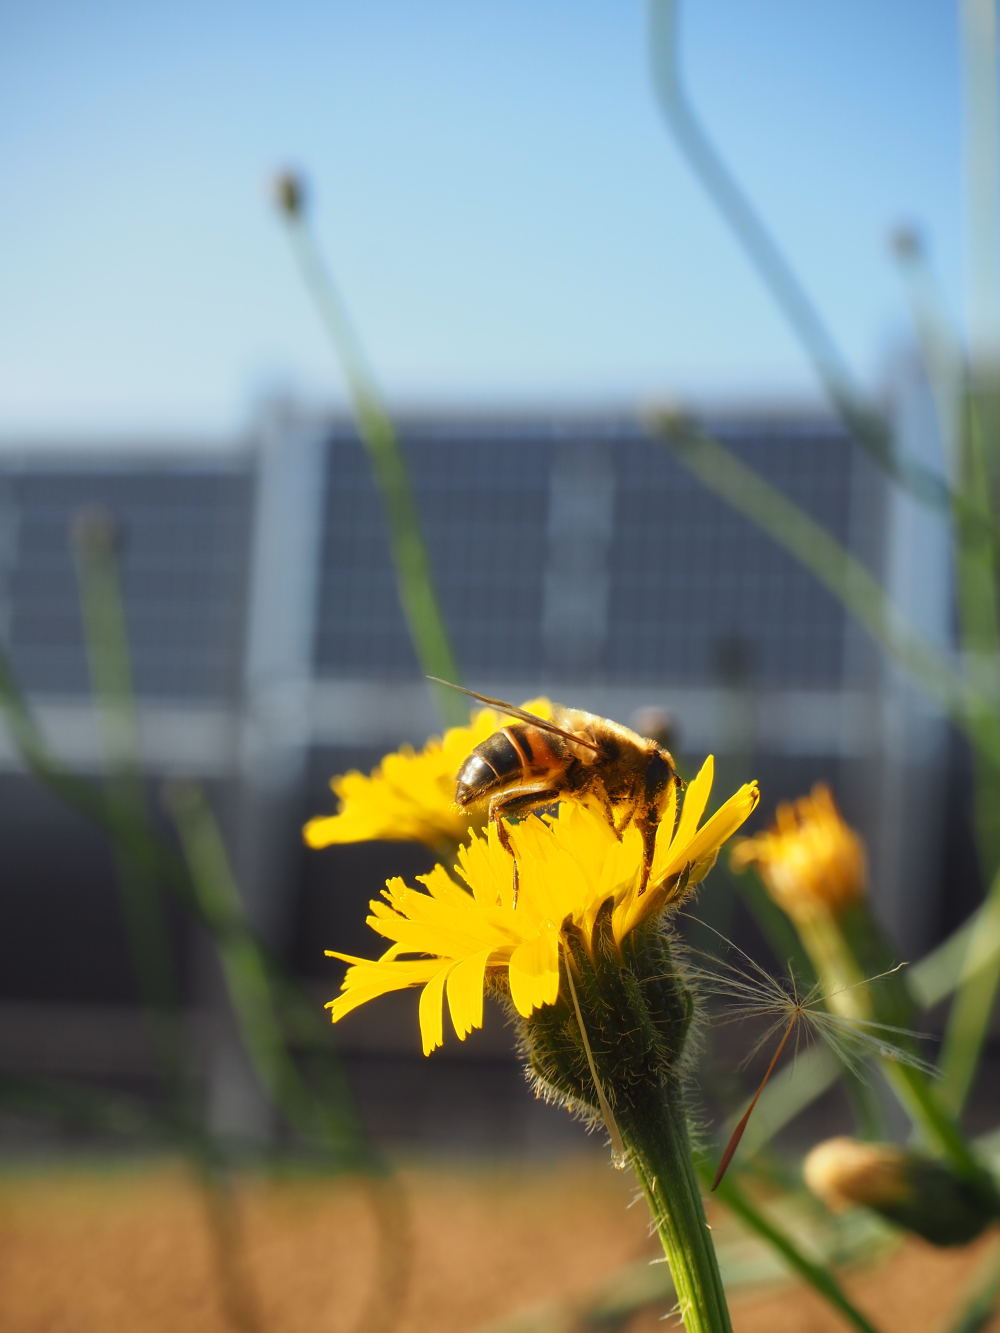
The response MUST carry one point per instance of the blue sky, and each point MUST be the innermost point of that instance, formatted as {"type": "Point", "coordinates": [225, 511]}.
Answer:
{"type": "Point", "coordinates": [492, 183]}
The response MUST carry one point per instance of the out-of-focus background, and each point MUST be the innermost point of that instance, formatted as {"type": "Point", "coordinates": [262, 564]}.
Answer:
{"type": "Point", "coordinates": [533, 270]}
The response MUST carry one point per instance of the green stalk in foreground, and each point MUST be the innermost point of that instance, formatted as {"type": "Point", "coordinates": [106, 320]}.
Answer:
{"type": "Point", "coordinates": [625, 1045]}
{"type": "Point", "coordinates": [661, 1159]}
{"type": "Point", "coordinates": [414, 579]}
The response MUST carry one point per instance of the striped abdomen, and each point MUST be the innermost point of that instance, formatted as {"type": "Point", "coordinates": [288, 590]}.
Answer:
{"type": "Point", "coordinates": [518, 753]}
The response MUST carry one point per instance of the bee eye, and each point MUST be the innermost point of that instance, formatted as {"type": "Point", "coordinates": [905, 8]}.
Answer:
{"type": "Point", "coordinates": [659, 771]}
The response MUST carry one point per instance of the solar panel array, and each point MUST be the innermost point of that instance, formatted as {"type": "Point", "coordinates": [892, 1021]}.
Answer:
{"type": "Point", "coordinates": [574, 548]}
{"type": "Point", "coordinates": [182, 540]}
{"type": "Point", "coordinates": [694, 592]}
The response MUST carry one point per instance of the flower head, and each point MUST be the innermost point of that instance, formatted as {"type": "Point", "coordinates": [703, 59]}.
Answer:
{"type": "Point", "coordinates": [913, 1191]}
{"type": "Point", "coordinates": [811, 860]}
{"type": "Point", "coordinates": [410, 796]}
{"type": "Point", "coordinates": [455, 933]}
{"type": "Point", "coordinates": [844, 1172]}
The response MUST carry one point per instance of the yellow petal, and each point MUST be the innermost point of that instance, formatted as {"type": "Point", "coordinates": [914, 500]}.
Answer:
{"type": "Point", "coordinates": [431, 1015]}
{"type": "Point", "coordinates": [465, 993]}
{"type": "Point", "coordinates": [724, 823]}
{"type": "Point", "coordinates": [321, 832]}
{"type": "Point", "coordinates": [368, 980]}
{"type": "Point", "coordinates": [534, 972]}
{"type": "Point", "coordinates": [695, 800]}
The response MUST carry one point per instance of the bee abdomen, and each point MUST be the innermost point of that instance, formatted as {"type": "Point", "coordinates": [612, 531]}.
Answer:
{"type": "Point", "coordinates": [489, 766]}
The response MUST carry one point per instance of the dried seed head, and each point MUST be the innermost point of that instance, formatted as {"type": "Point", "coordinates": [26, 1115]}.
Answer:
{"type": "Point", "coordinates": [290, 193]}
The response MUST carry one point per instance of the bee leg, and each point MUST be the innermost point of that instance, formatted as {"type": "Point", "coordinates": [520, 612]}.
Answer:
{"type": "Point", "coordinates": [517, 803]}
{"type": "Point", "coordinates": [496, 816]}
{"type": "Point", "coordinates": [627, 818]}
{"type": "Point", "coordinates": [609, 811]}
{"type": "Point", "coordinates": [647, 827]}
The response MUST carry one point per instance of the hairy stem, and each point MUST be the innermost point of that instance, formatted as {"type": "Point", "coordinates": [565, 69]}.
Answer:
{"type": "Point", "coordinates": [655, 1130]}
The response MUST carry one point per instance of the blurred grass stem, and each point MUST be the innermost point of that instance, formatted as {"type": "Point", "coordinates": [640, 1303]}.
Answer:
{"type": "Point", "coordinates": [143, 908]}
{"type": "Point", "coordinates": [940, 346]}
{"type": "Point", "coordinates": [106, 635]}
{"type": "Point", "coordinates": [240, 1301]}
{"type": "Point", "coordinates": [411, 560]}
{"type": "Point", "coordinates": [820, 1278]}
{"type": "Point", "coordinates": [867, 425]}
{"type": "Point", "coordinates": [836, 568]}
{"type": "Point", "coordinates": [972, 1010]}
{"type": "Point", "coordinates": [981, 134]}
{"type": "Point", "coordinates": [981, 1296]}
{"type": "Point", "coordinates": [252, 994]}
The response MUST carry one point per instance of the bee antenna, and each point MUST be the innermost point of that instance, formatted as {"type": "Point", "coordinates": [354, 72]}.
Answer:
{"type": "Point", "coordinates": [513, 711]}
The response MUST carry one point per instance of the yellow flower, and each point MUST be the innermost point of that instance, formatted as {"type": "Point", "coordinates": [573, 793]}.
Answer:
{"type": "Point", "coordinates": [454, 936]}
{"type": "Point", "coordinates": [410, 796]}
{"type": "Point", "coordinates": [913, 1191]}
{"type": "Point", "coordinates": [844, 1172]}
{"type": "Point", "coordinates": [811, 860]}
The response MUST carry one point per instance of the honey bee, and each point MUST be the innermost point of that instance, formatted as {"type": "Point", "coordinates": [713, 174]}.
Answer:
{"type": "Point", "coordinates": [533, 762]}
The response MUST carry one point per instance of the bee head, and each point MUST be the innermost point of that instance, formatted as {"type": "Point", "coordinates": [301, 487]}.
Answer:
{"type": "Point", "coordinates": [660, 773]}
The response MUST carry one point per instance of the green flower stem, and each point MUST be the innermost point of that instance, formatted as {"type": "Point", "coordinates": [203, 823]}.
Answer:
{"type": "Point", "coordinates": [620, 1041]}
{"type": "Point", "coordinates": [410, 557]}
{"type": "Point", "coordinates": [976, 577]}
{"type": "Point", "coordinates": [972, 1009]}
{"type": "Point", "coordinates": [922, 1104]}
{"type": "Point", "coordinates": [655, 1130]}
{"type": "Point", "coordinates": [868, 427]}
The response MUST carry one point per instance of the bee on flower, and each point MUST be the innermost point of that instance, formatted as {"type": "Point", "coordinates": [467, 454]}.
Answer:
{"type": "Point", "coordinates": [460, 931]}
{"type": "Point", "coordinates": [410, 796]}
{"type": "Point", "coordinates": [575, 942]}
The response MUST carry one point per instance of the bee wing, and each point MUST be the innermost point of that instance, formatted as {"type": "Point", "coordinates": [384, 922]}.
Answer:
{"type": "Point", "coordinates": [513, 711]}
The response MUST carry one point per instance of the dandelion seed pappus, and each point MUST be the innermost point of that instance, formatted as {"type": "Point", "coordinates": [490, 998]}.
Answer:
{"type": "Point", "coordinates": [755, 993]}
{"type": "Point", "coordinates": [532, 763]}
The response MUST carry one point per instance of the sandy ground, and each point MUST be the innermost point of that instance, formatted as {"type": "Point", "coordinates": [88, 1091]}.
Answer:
{"type": "Point", "coordinates": [98, 1251]}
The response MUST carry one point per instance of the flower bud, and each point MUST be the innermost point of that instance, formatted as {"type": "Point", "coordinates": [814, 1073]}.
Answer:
{"type": "Point", "coordinates": [912, 1191]}
{"type": "Point", "coordinates": [290, 193]}
{"type": "Point", "coordinates": [811, 860]}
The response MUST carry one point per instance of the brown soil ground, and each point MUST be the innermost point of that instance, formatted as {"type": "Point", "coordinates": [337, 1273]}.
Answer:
{"type": "Point", "coordinates": [103, 1252]}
